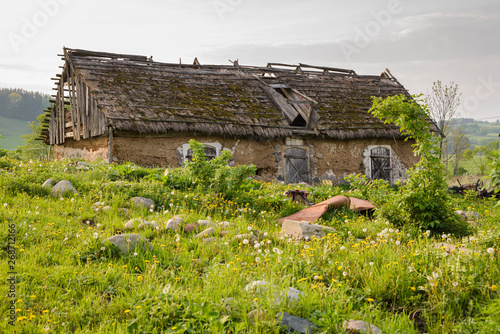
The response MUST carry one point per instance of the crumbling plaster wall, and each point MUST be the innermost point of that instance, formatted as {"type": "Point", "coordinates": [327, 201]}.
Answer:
{"type": "Point", "coordinates": [91, 149]}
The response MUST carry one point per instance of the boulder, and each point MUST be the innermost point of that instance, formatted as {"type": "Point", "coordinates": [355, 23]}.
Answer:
{"type": "Point", "coordinates": [206, 233]}
{"type": "Point", "coordinates": [142, 202]}
{"type": "Point", "coordinates": [191, 227]}
{"type": "Point", "coordinates": [62, 188]}
{"type": "Point", "coordinates": [174, 224]}
{"type": "Point", "coordinates": [48, 183]}
{"type": "Point", "coordinates": [295, 324]}
{"type": "Point", "coordinates": [360, 327]}
{"type": "Point", "coordinates": [129, 242]}
{"type": "Point", "coordinates": [304, 230]}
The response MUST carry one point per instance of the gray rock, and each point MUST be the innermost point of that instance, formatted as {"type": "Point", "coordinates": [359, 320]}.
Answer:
{"type": "Point", "coordinates": [63, 187]}
{"type": "Point", "coordinates": [304, 230]}
{"type": "Point", "coordinates": [209, 240]}
{"type": "Point", "coordinates": [48, 184]}
{"type": "Point", "coordinates": [142, 202]}
{"type": "Point", "coordinates": [129, 242]}
{"type": "Point", "coordinates": [295, 324]}
{"type": "Point", "coordinates": [174, 224]}
{"type": "Point", "coordinates": [82, 165]}
{"type": "Point", "coordinates": [206, 223]}
{"type": "Point", "coordinates": [133, 223]}
{"type": "Point", "coordinates": [293, 294]}
{"type": "Point", "coordinates": [206, 233]}
{"type": "Point", "coordinates": [360, 327]}
{"type": "Point", "coordinates": [257, 286]}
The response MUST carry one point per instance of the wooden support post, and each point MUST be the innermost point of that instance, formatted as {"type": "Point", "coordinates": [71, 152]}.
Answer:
{"type": "Point", "coordinates": [110, 145]}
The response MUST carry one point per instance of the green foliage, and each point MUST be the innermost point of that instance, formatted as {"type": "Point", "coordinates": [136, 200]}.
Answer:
{"type": "Point", "coordinates": [132, 172]}
{"type": "Point", "coordinates": [423, 199]}
{"type": "Point", "coordinates": [216, 175]}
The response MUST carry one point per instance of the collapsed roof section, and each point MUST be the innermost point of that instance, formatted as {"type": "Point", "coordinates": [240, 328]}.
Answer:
{"type": "Point", "coordinates": [98, 91]}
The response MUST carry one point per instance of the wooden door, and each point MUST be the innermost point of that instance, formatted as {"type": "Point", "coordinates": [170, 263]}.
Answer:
{"type": "Point", "coordinates": [380, 163]}
{"type": "Point", "coordinates": [297, 165]}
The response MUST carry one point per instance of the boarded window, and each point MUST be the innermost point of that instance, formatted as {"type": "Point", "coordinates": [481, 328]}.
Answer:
{"type": "Point", "coordinates": [210, 153]}
{"type": "Point", "coordinates": [297, 165]}
{"type": "Point", "coordinates": [380, 159]}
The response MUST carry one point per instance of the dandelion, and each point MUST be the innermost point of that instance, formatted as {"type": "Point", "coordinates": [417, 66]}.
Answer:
{"type": "Point", "coordinates": [398, 242]}
{"type": "Point", "coordinates": [344, 273]}
{"type": "Point", "coordinates": [245, 241]}
{"type": "Point", "coordinates": [5, 205]}
{"type": "Point", "coordinates": [96, 235]}
{"type": "Point", "coordinates": [494, 287]}
{"type": "Point", "coordinates": [317, 277]}
{"type": "Point", "coordinates": [342, 248]}
{"type": "Point", "coordinates": [103, 248]}
{"type": "Point", "coordinates": [140, 278]}
{"type": "Point", "coordinates": [266, 234]}
{"type": "Point", "coordinates": [249, 228]}
{"type": "Point", "coordinates": [413, 288]}
{"type": "Point", "coordinates": [435, 275]}
{"type": "Point", "coordinates": [371, 264]}
{"type": "Point", "coordinates": [135, 253]}
{"type": "Point", "coordinates": [472, 238]}
{"type": "Point", "coordinates": [454, 283]}
{"type": "Point", "coordinates": [306, 246]}
{"type": "Point", "coordinates": [364, 230]}
{"type": "Point", "coordinates": [257, 259]}
{"type": "Point", "coordinates": [370, 300]}
{"type": "Point", "coordinates": [275, 249]}
{"type": "Point", "coordinates": [490, 250]}
{"type": "Point", "coordinates": [126, 311]}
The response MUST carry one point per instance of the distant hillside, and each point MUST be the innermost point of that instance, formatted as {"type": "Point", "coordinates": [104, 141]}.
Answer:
{"type": "Point", "coordinates": [12, 129]}
{"type": "Point", "coordinates": [479, 133]}
{"type": "Point", "coordinates": [22, 104]}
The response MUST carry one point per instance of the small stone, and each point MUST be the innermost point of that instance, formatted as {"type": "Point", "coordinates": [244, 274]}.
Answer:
{"type": "Point", "coordinates": [295, 324]}
{"type": "Point", "coordinates": [191, 227]}
{"type": "Point", "coordinates": [360, 327]}
{"type": "Point", "coordinates": [206, 223]}
{"type": "Point", "coordinates": [305, 230]}
{"type": "Point", "coordinates": [206, 233]}
{"type": "Point", "coordinates": [129, 242]}
{"type": "Point", "coordinates": [209, 240]}
{"type": "Point", "coordinates": [48, 184]}
{"type": "Point", "coordinates": [142, 202]}
{"type": "Point", "coordinates": [133, 223]}
{"type": "Point", "coordinates": [62, 188]}
{"type": "Point", "coordinates": [225, 224]}
{"type": "Point", "coordinates": [293, 294]}
{"type": "Point", "coordinates": [174, 224]}
{"type": "Point", "coordinates": [257, 286]}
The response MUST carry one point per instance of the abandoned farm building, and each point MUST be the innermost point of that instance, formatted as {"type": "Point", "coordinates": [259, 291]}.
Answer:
{"type": "Point", "coordinates": [296, 123]}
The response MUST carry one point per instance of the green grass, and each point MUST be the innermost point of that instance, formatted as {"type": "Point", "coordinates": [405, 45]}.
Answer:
{"type": "Point", "coordinates": [70, 280]}
{"type": "Point", "coordinates": [12, 130]}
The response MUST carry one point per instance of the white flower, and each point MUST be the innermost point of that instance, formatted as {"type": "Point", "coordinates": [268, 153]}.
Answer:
{"type": "Point", "coordinates": [257, 245]}
{"type": "Point", "coordinates": [266, 234]}
{"type": "Point", "coordinates": [61, 199]}
{"type": "Point", "coordinates": [257, 259]}
{"type": "Point", "coordinates": [72, 199]}
{"type": "Point", "coordinates": [269, 241]}
{"type": "Point", "coordinates": [408, 235]}
{"type": "Point", "coordinates": [262, 243]}
{"type": "Point", "coordinates": [266, 250]}
{"type": "Point", "coordinates": [344, 273]}
{"type": "Point", "coordinates": [371, 264]}
{"type": "Point", "coordinates": [135, 254]}
{"type": "Point", "coordinates": [391, 230]}
{"type": "Point", "coordinates": [249, 228]}
{"type": "Point", "coordinates": [103, 248]}
{"type": "Point", "coordinates": [398, 242]}
{"type": "Point", "coordinates": [245, 241]}
{"type": "Point", "coordinates": [490, 250]}
{"type": "Point", "coordinates": [165, 212]}
{"type": "Point", "coordinates": [454, 283]}
{"type": "Point", "coordinates": [5, 204]}
{"type": "Point", "coordinates": [342, 248]}
{"type": "Point", "coordinates": [386, 223]}
{"type": "Point", "coordinates": [173, 192]}
{"type": "Point", "coordinates": [78, 235]}
{"type": "Point", "coordinates": [306, 246]}
{"type": "Point", "coordinates": [364, 230]}
{"type": "Point", "coordinates": [275, 249]}
{"type": "Point", "coordinates": [260, 251]}
{"type": "Point", "coordinates": [150, 210]}
{"type": "Point", "coordinates": [96, 235]}
{"type": "Point", "coordinates": [435, 275]}
{"type": "Point", "coordinates": [171, 204]}
{"type": "Point", "coordinates": [472, 238]}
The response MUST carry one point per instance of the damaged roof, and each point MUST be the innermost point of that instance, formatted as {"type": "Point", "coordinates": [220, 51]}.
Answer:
{"type": "Point", "coordinates": [135, 93]}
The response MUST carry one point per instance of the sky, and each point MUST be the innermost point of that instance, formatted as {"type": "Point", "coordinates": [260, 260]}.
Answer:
{"type": "Point", "coordinates": [420, 42]}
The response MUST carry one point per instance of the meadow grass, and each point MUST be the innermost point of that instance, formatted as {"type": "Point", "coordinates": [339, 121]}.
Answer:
{"type": "Point", "coordinates": [70, 280]}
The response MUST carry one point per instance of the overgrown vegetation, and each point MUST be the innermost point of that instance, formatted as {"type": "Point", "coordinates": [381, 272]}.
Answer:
{"type": "Point", "coordinates": [69, 279]}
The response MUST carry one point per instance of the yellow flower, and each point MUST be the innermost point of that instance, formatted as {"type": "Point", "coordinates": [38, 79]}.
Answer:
{"type": "Point", "coordinates": [301, 280]}
{"type": "Point", "coordinates": [138, 307]}
{"type": "Point", "coordinates": [494, 287]}
{"type": "Point", "coordinates": [126, 311]}
{"type": "Point", "coordinates": [139, 278]}
{"type": "Point", "coordinates": [413, 288]}
{"type": "Point", "coordinates": [370, 299]}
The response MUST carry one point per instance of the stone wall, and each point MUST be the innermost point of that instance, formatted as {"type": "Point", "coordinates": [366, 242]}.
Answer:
{"type": "Point", "coordinates": [90, 149]}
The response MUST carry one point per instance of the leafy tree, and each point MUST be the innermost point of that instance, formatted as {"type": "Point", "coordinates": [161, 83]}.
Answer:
{"type": "Point", "coordinates": [33, 146]}
{"type": "Point", "coordinates": [423, 200]}
{"type": "Point", "coordinates": [443, 103]}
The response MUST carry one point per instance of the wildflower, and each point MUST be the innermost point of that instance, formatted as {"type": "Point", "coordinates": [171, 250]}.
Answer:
{"type": "Point", "coordinates": [103, 248]}
{"type": "Point", "coordinates": [317, 277]}
{"type": "Point", "coordinates": [275, 249]}
{"type": "Point", "coordinates": [435, 275]}
{"type": "Point", "coordinates": [257, 259]}
{"type": "Point", "coordinates": [126, 311]}
{"type": "Point", "coordinates": [364, 230]}
{"type": "Point", "coordinates": [342, 248]}
{"type": "Point", "coordinates": [454, 283]}
{"type": "Point", "coordinates": [471, 238]}
{"type": "Point", "coordinates": [371, 264]}
{"type": "Point", "coordinates": [5, 205]}
{"type": "Point", "coordinates": [490, 250]}
{"type": "Point", "coordinates": [96, 235]}
{"type": "Point", "coordinates": [413, 288]}
{"type": "Point", "coordinates": [306, 246]}
{"type": "Point", "coordinates": [398, 242]}
{"type": "Point", "coordinates": [344, 273]}
{"type": "Point", "coordinates": [249, 228]}
{"type": "Point", "coordinates": [370, 300]}
{"type": "Point", "coordinates": [266, 234]}
{"type": "Point", "coordinates": [245, 241]}
{"type": "Point", "coordinates": [135, 253]}
{"type": "Point", "coordinates": [140, 278]}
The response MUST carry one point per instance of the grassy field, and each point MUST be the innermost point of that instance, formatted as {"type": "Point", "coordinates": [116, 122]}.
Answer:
{"type": "Point", "coordinates": [68, 279]}
{"type": "Point", "coordinates": [12, 130]}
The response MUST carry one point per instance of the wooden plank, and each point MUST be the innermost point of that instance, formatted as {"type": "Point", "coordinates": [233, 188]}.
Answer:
{"type": "Point", "coordinates": [77, 110]}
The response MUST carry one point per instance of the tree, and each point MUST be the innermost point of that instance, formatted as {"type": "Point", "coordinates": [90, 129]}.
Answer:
{"type": "Point", "coordinates": [482, 156]}
{"type": "Point", "coordinates": [33, 146]}
{"type": "Point", "coordinates": [443, 102]}
{"type": "Point", "coordinates": [459, 143]}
